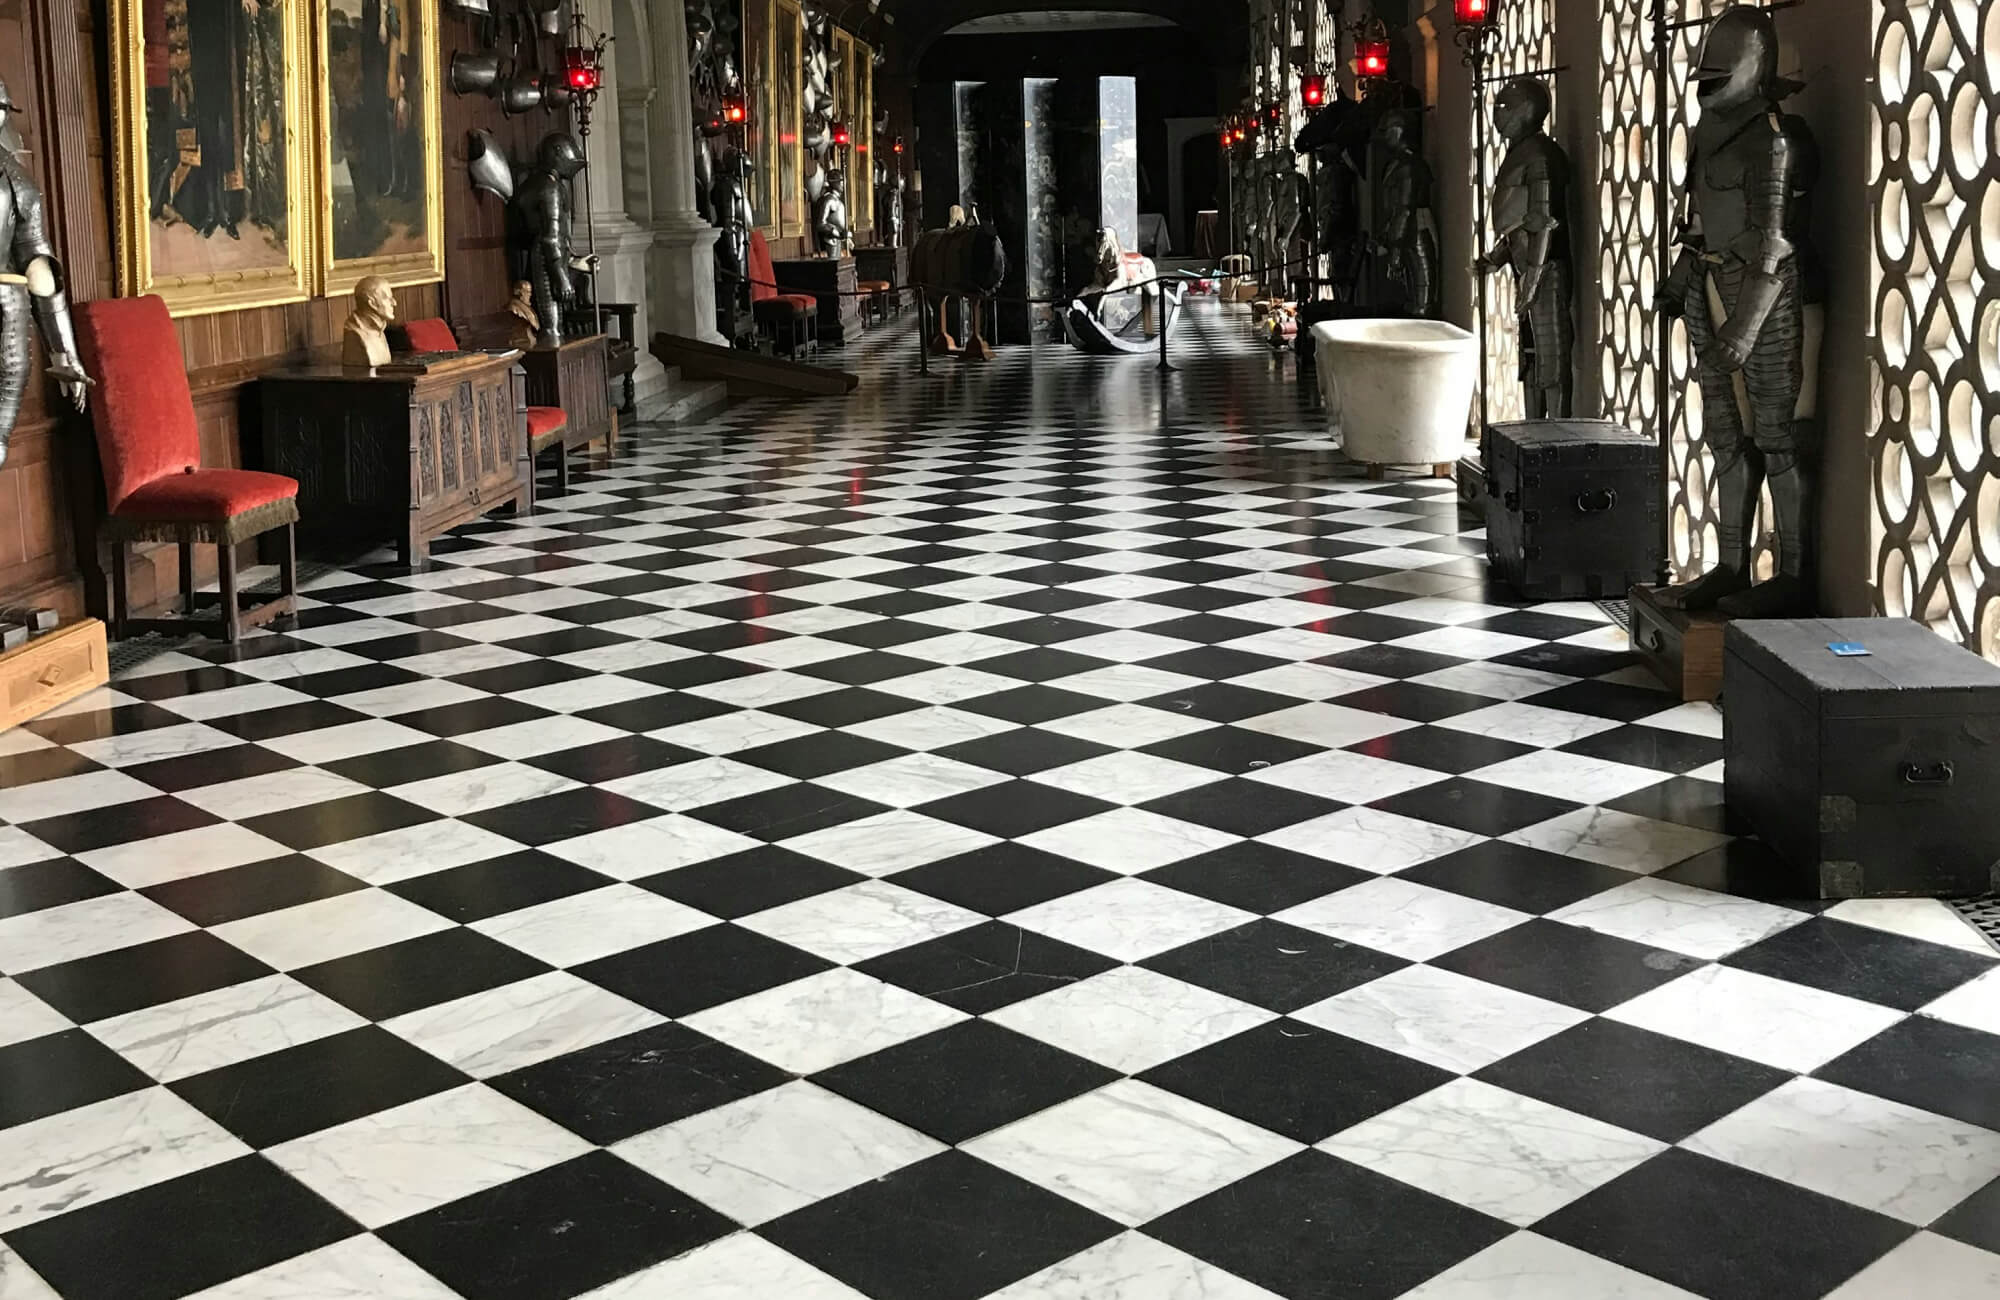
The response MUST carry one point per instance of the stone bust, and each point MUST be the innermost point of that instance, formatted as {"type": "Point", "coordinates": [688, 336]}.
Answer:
{"type": "Point", "coordinates": [362, 342]}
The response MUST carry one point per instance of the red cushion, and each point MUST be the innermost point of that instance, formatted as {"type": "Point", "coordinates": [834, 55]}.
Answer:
{"type": "Point", "coordinates": [762, 274]}
{"type": "Point", "coordinates": [545, 419]}
{"type": "Point", "coordinates": [432, 335]}
{"type": "Point", "coordinates": [141, 407]}
{"type": "Point", "coordinates": [776, 309]}
{"type": "Point", "coordinates": [206, 494]}
{"type": "Point", "coordinates": [803, 301]}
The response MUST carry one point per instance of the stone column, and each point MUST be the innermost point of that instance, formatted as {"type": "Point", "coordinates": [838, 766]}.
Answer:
{"type": "Point", "coordinates": [622, 244]}
{"type": "Point", "coordinates": [682, 270]}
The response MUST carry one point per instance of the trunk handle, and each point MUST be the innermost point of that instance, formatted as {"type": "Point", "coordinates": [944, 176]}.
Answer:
{"type": "Point", "coordinates": [1926, 773]}
{"type": "Point", "coordinates": [1595, 503]}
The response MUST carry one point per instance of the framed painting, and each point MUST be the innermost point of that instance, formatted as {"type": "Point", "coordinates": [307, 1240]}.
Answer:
{"type": "Point", "coordinates": [210, 111]}
{"type": "Point", "coordinates": [788, 51]}
{"type": "Point", "coordinates": [760, 133]}
{"type": "Point", "coordinates": [376, 137]}
{"type": "Point", "coordinates": [861, 185]}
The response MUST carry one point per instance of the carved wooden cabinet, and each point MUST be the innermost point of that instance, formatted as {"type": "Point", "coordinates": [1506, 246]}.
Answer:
{"type": "Point", "coordinates": [574, 377]}
{"type": "Point", "coordinates": [833, 281]}
{"type": "Point", "coordinates": [405, 455]}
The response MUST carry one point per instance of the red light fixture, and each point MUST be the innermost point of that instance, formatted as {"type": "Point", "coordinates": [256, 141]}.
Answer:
{"type": "Point", "coordinates": [1474, 13]}
{"type": "Point", "coordinates": [1312, 90]}
{"type": "Point", "coordinates": [1274, 113]}
{"type": "Point", "coordinates": [1371, 56]}
{"type": "Point", "coordinates": [840, 135]}
{"type": "Point", "coordinates": [735, 111]}
{"type": "Point", "coordinates": [896, 146]}
{"type": "Point", "coordinates": [581, 71]}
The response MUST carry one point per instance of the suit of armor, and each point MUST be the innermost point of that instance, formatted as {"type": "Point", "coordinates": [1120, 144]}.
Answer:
{"type": "Point", "coordinates": [31, 289]}
{"type": "Point", "coordinates": [1408, 232]}
{"type": "Point", "coordinates": [543, 205]}
{"type": "Point", "coordinates": [1530, 221]}
{"type": "Point", "coordinates": [1745, 285]}
{"type": "Point", "coordinates": [830, 229]}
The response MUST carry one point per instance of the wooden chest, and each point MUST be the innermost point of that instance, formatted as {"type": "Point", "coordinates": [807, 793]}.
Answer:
{"type": "Point", "coordinates": [406, 455]}
{"type": "Point", "coordinates": [891, 263]}
{"type": "Point", "coordinates": [52, 669]}
{"type": "Point", "coordinates": [1683, 650]}
{"type": "Point", "coordinates": [1874, 776]}
{"type": "Point", "coordinates": [834, 281]}
{"type": "Point", "coordinates": [1574, 508]}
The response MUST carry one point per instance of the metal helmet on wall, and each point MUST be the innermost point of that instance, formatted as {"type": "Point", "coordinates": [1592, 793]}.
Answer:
{"type": "Point", "coordinates": [1738, 63]}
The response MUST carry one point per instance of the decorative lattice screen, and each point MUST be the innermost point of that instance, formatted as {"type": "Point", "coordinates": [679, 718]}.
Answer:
{"type": "Point", "coordinates": [1628, 197]}
{"type": "Point", "coordinates": [1526, 44]}
{"type": "Point", "coordinates": [1935, 442]}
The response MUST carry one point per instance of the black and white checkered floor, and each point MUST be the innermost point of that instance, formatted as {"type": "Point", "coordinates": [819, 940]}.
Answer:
{"type": "Point", "coordinates": [1029, 833]}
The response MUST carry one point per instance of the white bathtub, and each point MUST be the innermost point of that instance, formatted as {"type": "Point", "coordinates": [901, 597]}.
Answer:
{"type": "Point", "coordinates": [1400, 391]}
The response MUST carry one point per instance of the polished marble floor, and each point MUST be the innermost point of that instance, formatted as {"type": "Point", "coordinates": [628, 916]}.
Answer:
{"type": "Point", "coordinates": [1032, 832]}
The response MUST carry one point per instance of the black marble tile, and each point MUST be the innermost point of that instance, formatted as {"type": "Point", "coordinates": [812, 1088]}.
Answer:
{"type": "Point", "coordinates": [562, 816]}
{"type": "Point", "coordinates": [1859, 962]}
{"type": "Point", "coordinates": [1002, 878]}
{"type": "Point", "coordinates": [50, 883]}
{"type": "Point", "coordinates": [218, 897]}
{"type": "Point", "coordinates": [1418, 702]}
{"type": "Point", "coordinates": [1476, 806]}
{"type": "Point", "coordinates": [1567, 964]}
{"type": "Point", "coordinates": [338, 820]}
{"type": "Point", "coordinates": [820, 753]}
{"type": "Point", "coordinates": [1014, 809]}
{"type": "Point", "coordinates": [119, 823]}
{"type": "Point", "coordinates": [286, 720]}
{"type": "Point", "coordinates": [705, 968]}
{"type": "Point", "coordinates": [141, 975]}
{"type": "Point", "coordinates": [1516, 876]}
{"type": "Point", "coordinates": [986, 967]}
{"type": "Point", "coordinates": [504, 884]}
{"type": "Point", "coordinates": [385, 982]}
{"type": "Point", "coordinates": [1024, 751]}
{"type": "Point", "coordinates": [58, 1072]}
{"type": "Point", "coordinates": [1933, 1065]}
{"type": "Point", "coordinates": [1242, 807]}
{"type": "Point", "coordinates": [1256, 877]}
{"type": "Point", "coordinates": [289, 1093]}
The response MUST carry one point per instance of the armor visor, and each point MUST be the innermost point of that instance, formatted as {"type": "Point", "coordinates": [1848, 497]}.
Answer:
{"type": "Point", "coordinates": [1738, 62]}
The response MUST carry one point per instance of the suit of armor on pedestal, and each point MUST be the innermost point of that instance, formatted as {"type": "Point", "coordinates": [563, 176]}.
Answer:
{"type": "Point", "coordinates": [1408, 232]}
{"type": "Point", "coordinates": [1746, 286]}
{"type": "Point", "coordinates": [543, 205]}
{"type": "Point", "coordinates": [31, 289]}
{"type": "Point", "coordinates": [1531, 221]}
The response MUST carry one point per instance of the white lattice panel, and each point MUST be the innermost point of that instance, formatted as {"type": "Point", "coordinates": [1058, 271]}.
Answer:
{"type": "Point", "coordinates": [1526, 44]}
{"type": "Point", "coordinates": [1935, 443]}
{"type": "Point", "coordinates": [1628, 193]}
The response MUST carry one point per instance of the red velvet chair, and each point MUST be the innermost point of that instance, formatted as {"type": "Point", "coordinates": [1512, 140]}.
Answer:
{"type": "Point", "coordinates": [545, 423]}
{"type": "Point", "coordinates": [154, 486]}
{"type": "Point", "coordinates": [794, 314]}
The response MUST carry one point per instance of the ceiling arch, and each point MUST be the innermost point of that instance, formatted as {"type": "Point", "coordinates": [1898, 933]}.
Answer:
{"type": "Point", "coordinates": [1222, 25]}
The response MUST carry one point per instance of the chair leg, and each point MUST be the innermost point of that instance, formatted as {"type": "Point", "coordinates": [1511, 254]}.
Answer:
{"type": "Point", "coordinates": [121, 608]}
{"type": "Point", "coordinates": [187, 574]}
{"type": "Point", "coordinates": [225, 573]}
{"type": "Point", "coordinates": [562, 470]}
{"type": "Point", "coordinates": [288, 569]}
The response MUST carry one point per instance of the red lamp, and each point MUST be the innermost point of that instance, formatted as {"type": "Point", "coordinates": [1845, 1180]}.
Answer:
{"type": "Point", "coordinates": [840, 135]}
{"type": "Point", "coordinates": [735, 111]}
{"type": "Point", "coordinates": [1274, 113]}
{"type": "Point", "coordinates": [896, 146]}
{"type": "Point", "coordinates": [1312, 90]}
{"type": "Point", "coordinates": [1371, 56]}
{"type": "Point", "coordinates": [1474, 13]}
{"type": "Point", "coordinates": [581, 71]}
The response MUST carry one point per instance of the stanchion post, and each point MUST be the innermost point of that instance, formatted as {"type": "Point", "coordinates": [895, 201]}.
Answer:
{"type": "Point", "coordinates": [923, 330]}
{"type": "Point", "coordinates": [1160, 292]}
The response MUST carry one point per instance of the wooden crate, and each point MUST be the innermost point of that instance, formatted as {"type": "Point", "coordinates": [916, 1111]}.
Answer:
{"type": "Point", "coordinates": [52, 669]}
{"type": "Point", "coordinates": [1683, 650]}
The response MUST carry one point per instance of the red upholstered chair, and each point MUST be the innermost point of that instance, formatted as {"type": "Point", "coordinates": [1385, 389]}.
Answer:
{"type": "Point", "coordinates": [794, 315]}
{"type": "Point", "coordinates": [154, 486]}
{"type": "Point", "coordinates": [545, 423]}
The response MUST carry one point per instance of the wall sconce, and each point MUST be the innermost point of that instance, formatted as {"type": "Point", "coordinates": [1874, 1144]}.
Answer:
{"type": "Point", "coordinates": [1475, 13]}
{"type": "Point", "coordinates": [735, 110]}
{"type": "Point", "coordinates": [1312, 91]}
{"type": "Point", "coordinates": [1274, 113]}
{"type": "Point", "coordinates": [896, 146]}
{"type": "Point", "coordinates": [581, 70]}
{"type": "Point", "coordinates": [583, 66]}
{"type": "Point", "coordinates": [841, 137]}
{"type": "Point", "coordinates": [1371, 58]}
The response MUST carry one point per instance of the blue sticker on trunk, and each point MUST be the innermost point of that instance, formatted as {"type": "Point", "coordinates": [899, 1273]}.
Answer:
{"type": "Point", "coordinates": [1849, 649]}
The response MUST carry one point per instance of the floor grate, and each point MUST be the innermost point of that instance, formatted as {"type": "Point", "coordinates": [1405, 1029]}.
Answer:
{"type": "Point", "coordinates": [1618, 611]}
{"type": "Point", "coordinates": [1983, 914]}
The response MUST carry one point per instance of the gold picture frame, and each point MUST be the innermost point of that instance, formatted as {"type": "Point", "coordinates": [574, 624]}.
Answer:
{"type": "Point", "coordinates": [861, 185]}
{"type": "Point", "coordinates": [788, 62]}
{"type": "Point", "coordinates": [384, 216]}
{"type": "Point", "coordinates": [214, 186]}
{"type": "Point", "coordinates": [760, 19]}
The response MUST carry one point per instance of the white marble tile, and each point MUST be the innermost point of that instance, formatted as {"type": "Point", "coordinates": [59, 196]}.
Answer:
{"type": "Point", "coordinates": [252, 697]}
{"type": "Point", "coordinates": [1128, 840]}
{"type": "Point", "coordinates": [1466, 643]}
{"type": "Point", "coordinates": [302, 663]}
{"type": "Point", "coordinates": [1443, 611]}
{"type": "Point", "coordinates": [522, 1023]}
{"type": "Point", "coordinates": [538, 736]}
{"type": "Point", "coordinates": [790, 652]}
{"type": "Point", "coordinates": [1927, 1265]}
{"type": "Point", "coordinates": [18, 1281]}
{"type": "Point", "coordinates": [24, 1016]}
{"type": "Point", "coordinates": [422, 1154]}
{"type": "Point", "coordinates": [964, 646]}
{"type": "Point", "coordinates": [776, 1151]}
{"type": "Point", "coordinates": [1496, 1151]}
{"type": "Point", "coordinates": [1976, 1004]}
{"type": "Point", "coordinates": [1129, 919]}
{"type": "Point", "coordinates": [1348, 777]}
{"type": "Point", "coordinates": [76, 1158]}
{"type": "Point", "coordinates": [1130, 1151]}
{"type": "Point", "coordinates": [349, 740]}
{"type": "Point", "coordinates": [140, 863]}
{"type": "Point", "coordinates": [353, 632]}
{"type": "Point", "coordinates": [460, 660]}
{"type": "Point", "coordinates": [763, 690]}
{"type": "Point", "coordinates": [1126, 726]}
{"type": "Point", "coordinates": [625, 656]}
{"type": "Point", "coordinates": [476, 789]}
{"type": "Point", "coordinates": [696, 784]}
{"type": "Point", "coordinates": [1441, 1018]}
{"type": "Point", "coordinates": [153, 744]}
{"type": "Point", "coordinates": [910, 779]}
{"type": "Point", "coordinates": [739, 1267]}
{"type": "Point", "coordinates": [1915, 918]}
{"type": "Point", "coordinates": [64, 795]}
{"type": "Point", "coordinates": [1125, 683]}
{"type": "Point", "coordinates": [1679, 918]}
{"type": "Point", "coordinates": [405, 602]}
{"type": "Point", "coordinates": [1372, 840]}
{"type": "Point", "coordinates": [254, 796]}
{"type": "Point", "coordinates": [18, 848]}
{"type": "Point", "coordinates": [816, 1023]}
{"type": "Point", "coordinates": [512, 627]}
{"type": "Point", "coordinates": [596, 923]}
{"type": "Point", "coordinates": [1402, 917]}
{"type": "Point", "coordinates": [646, 848]}
{"type": "Point", "coordinates": [1693, 719]}
{"type": "Point", "coordinates": [599, 691]}
{"type": "Point", "coordinates": [1309, 681]}
{"type": "Point", "coordinates": [1495, 681]}
{"type": "Point", "coordinates": [1774, 1021]}
{"type": "Point", "coordinates": [928, 729]}
{"type": "Point", "coordinates": [1132, 1267]}
{"type": "Point", "coordinates": [206, 1031]}
{"type": "Point", "coordinates": [1528, 724]}
{"type": "Point", "coordinates": [1332, 726]}
{"type": "Point", "coordinates": [1125, 777]}
{"type": "Point", "coordinates": [1617, 839]}
{"type": "Point", "coordinates": [948, 685]}
{"type": "Point", "coordinates": [408, 697]}
{"type": "Point", "coordinates": [888, 842]}
{"type": "Point", "coordinates": [411, 851]}
{"type": "Point", "coordinates": [1859, 1148]}
{"type": "Point", "coordinates": [1576, 777]}
{"type": "Point", "coordinates": [67, 932]}
{"type": "Point", "coordinates": [861, 921]}
{"type": "Point", "coordinates": [1527, 1267]}
{"type": "Point", "coordinates": [1130, 1019]}
{"type": "Point", "coordinates": [292, 937]}
{"type": "Point", "coordinates": [729, 733]}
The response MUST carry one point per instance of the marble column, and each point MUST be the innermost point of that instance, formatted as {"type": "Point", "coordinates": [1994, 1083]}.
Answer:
{"type": "Point", "coordinates": [622, 244]}
{"type": "Point", "coordinates": [682, 270]}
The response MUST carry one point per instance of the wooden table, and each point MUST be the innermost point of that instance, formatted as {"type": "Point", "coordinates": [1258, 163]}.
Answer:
{"type": "Point", "coordinates": [408, 454]}
{"type": "Point", "coordinates": [890, 262]}
{"type": "Point", "coordinates": [833, 281]}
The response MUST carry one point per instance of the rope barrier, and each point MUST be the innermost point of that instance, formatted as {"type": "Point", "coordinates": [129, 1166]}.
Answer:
{"type": "Point", "coordinates": [1178, 277]}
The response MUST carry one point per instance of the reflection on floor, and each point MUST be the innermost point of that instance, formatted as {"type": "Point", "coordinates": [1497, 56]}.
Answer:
{"type": "Point", "coordinates": [1039, 831]}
